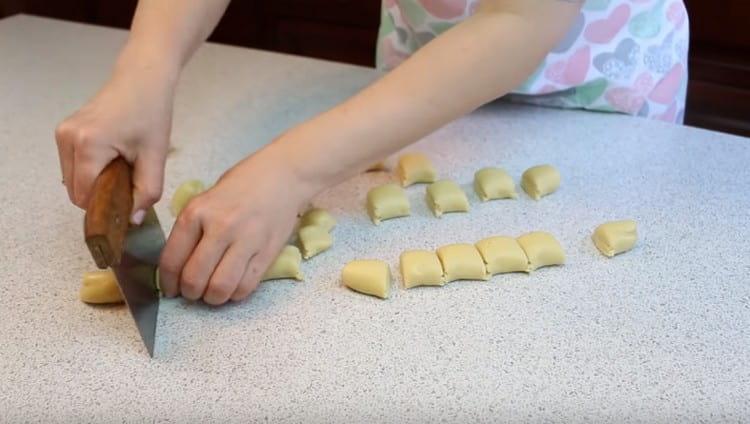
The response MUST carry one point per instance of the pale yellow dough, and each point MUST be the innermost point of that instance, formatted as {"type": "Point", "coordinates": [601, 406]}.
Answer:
{"type": "Point", "coordinates": [386, 202]}
{"type": "Point", "coordinates": [542, 249]}
{"type": "Point", "coordinates": [368, 276]}
{"type": "Point", "coordinates": [313, 240]}
{"type": "Point", "coordinates": [502, 254]}
{"type": "Point", "coordinates": [415, 168]}
{"type": "Point", "coordinates": [421, 268]}
{"type": "Point", "coordinates": [615, 237]}
{"type": "Point", "coordinates": [462, 262]}
{"type": "Point", "coordinates": [286, 265]}
{"type": "Point", "coordinates": [539, 181]}
{"type": "Point", "coordinates": [446, 196]}
{"type": "Point", "coordinates": [318, 217]}
{"type": "Point", "coordinates": [183, 194]}
{"type": "Point", "coordinates": [494, 183]}
{"type": "Point", "coordinates": [99, 287]}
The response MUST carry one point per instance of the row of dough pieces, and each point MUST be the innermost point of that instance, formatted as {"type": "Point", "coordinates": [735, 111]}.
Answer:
{"type": "Point", "coordinates": [389, 200]}
{"type": "Point", "coordinates": [314, 237]}
{"type": "Point", "coordinates": [488, 257]}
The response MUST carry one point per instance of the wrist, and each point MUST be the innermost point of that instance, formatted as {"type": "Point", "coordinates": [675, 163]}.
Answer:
{"type": "Point", "coordinates": [147, 63]}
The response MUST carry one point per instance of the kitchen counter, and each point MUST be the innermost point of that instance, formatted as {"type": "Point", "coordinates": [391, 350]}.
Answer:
{"type": "Point", "coordinates": [658, 334]}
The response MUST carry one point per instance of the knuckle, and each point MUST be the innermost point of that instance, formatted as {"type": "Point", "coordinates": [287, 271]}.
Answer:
{"type": "Point", "coordinates": [219, 291]}
{"type": "Point", "coordinates": [62, 131]}
{"type": "Point", "coordinates": [191, 287]}
{"type": "Point", "coordinates": [224, 225]}
{"type": "Point", "coordinates": [192, 212]}
{"type": "Point", "coordinates": [152, 193]}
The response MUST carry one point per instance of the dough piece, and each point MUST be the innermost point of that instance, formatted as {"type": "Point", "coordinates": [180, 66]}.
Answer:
{"type": "Point", "coordinates": [183, 194]}
{"type": "Point", "coordinates": [386, 202]}
{"type": "Point", "coordinates": [100, 287]}
{"type": "Point", "coordinates": [415, 168]}
{"type": "Point", "coordinates": [462, 262]}
{"type": "Point", "coordinates": [502, 254]}
{"type": "Point", "coordinates": [615, 237]}
{"type": "Point", "coordinates": [539, 181]}
{"type": "Point", "coordinates": [541, 249]}
{"type": "Point", "coordinates": [318, 217]}
{"type": "Point", "coordinates": [446, 196]}
{"type": "Point", "coordinates": [368, 277]}
{"type": "Point", "coordinates": [286, 265]}
{"type": "Point", "coordinates": [421, 268]}
{"type": "Point", "coordinates": [313, 240]}
{"type": "Point", "coordinates": [494, 183]}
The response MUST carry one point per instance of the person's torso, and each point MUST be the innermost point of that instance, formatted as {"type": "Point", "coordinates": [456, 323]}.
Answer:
{"type": "Point", "coordinates": [626, 56]}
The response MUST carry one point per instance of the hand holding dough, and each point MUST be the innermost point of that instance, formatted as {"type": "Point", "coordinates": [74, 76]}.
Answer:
{"type": "Point", "coordinates": [415, 168]}
{"type": "Point", "coordinates": [615, 237]}
{"type": "Point", "coordinates": [421, 268]}
{"type": "Point", "coordinates": [318, 217]}
{"type": "Point", "coordinates": [502, 254]}
{"type": "Point", "coordinates": [494, 183]}
{"type": "Point", "coordinates": [542, 249]}
{"type": "Point", "coordinates": [286, 265]}
{"type": "Point", "coordinates": [462, 262]}
{"type": "Point", "coordinates": [386, 202]}
{"type": "Point", "coordinates": [314, 240]}
{"type": "Point", "coordinates": [183, 194]}
{"type": "Point", "coordinates": [100, 287]}
{"type": "Point", "coordinates": [539, 181]}
{"type": "Point", "coordinates": [446, 196]}
{"type": "Point", "coordinates": [368, 277]}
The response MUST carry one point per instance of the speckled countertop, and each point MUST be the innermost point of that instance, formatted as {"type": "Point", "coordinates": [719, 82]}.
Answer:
{"type": "Point", "coordinates": [660, 334]}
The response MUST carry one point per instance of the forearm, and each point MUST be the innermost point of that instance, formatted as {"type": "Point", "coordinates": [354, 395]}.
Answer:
{"type": "Point", "coordinates": [473, 63]}
{"type": "Point", "coordinates": [165, 33]}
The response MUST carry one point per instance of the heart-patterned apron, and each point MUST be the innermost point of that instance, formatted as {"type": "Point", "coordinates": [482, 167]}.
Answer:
{"type": "Point", "coordinates": [627, 56]}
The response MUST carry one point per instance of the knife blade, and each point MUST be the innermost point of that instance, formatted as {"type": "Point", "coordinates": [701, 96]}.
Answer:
{"type": "Point", "coordinates": [131, 251]}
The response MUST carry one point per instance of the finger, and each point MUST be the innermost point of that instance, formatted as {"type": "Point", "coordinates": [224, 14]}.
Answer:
{"type": "Point", "coordinates": [185, 235]}
{"type": "Point", "coordinates": [253, 273]}
{"type": "Point", "coordinates": [65, 153]}
{"type": "Point", "coordinates": [87, 166]}
{"type": "Point", "coordinates": [200, 266]}
{"type": "Point", "coordinates": [148, 181]}
{"type": "Point", "coordinates": [226, 278]}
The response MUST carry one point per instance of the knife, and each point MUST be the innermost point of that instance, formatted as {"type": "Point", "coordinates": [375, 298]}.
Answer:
{"type": "Point", "coordinates": [131, 251]}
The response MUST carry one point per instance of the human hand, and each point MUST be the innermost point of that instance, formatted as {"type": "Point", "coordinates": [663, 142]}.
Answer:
{"type": "Point", "coordinates": [226, 237]}
{"type": "Point", "coordinates": [129, 117]}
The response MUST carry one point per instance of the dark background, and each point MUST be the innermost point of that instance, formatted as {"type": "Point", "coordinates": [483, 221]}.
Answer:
{"type": "Point", "coordinates": [345, 30]}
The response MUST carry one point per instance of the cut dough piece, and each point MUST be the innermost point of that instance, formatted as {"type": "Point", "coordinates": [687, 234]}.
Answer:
{"type": "Point", "coordinates": [286, 265]}
{"type": "Point", "coordinates": [415, 168]}
{"type": "Point", "coordinates": [542, 249]}
{"type": "Point", "coordinates": [615, 237]}
{"type": "Point", "coordinates": [446, 196]}
{"type": "Point", "coordinates": [502, 254]}
{"type": "Point", "coordinates": [539, 181]}
{"type": "Point", "coordinates": [462, 262]}
{"type": "Point", "coordinates": [183, 194]}
{"type": "Point", "coordinates": [494, 183]}
{"type": "Point", "coordinates": [318, 217]}
{"type": "Point", "coordinates": [421, 268]}
{"type": "Point", "coordinates": [386, 202]}
{"type": "Point", "coordinates": [368, 277]}
{"type": "Point", "coordinates": [100, 287]}
{"type": "Point", "coordinates": [313, 240]}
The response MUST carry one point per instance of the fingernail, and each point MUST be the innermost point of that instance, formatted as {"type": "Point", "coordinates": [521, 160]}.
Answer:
{"type": "Point", "coordinates": [137, 217]}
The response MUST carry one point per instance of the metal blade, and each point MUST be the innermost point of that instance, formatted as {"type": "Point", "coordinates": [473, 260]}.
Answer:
{"type": "Point", "coordinates": [136, 275]}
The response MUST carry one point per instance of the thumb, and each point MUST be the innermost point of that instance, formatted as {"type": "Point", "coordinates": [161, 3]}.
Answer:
{"type": "Point", "coordinates": [148, 181]}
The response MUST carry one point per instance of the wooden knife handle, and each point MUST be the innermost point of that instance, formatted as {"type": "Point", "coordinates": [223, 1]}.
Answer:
{"type": "Point", "coordinates": [108, 213]}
